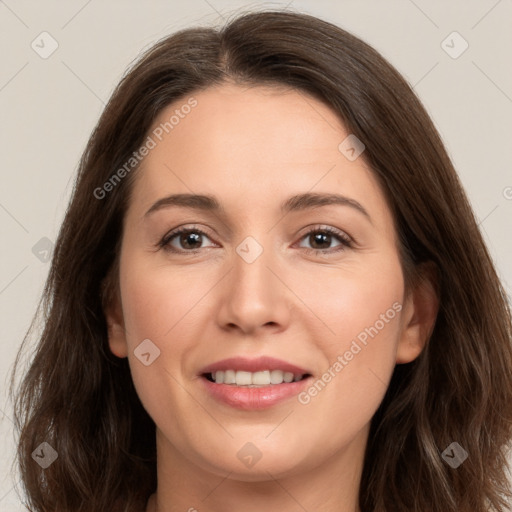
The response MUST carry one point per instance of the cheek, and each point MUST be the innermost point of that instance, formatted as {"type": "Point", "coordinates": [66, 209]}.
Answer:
{"type": "Point", "coordinates": [159, 302]}
{"type": "Point", "coordinates": [156, 306]}
{"type": "Point", "coordinates": [351, 298]}
{"type": "Point", "coordinates": [362, 311]}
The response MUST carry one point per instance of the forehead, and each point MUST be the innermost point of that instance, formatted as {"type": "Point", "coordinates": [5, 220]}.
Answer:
{"type": "Point", "coordinates": [251, 142]}
{"type": "Point", "coordinates": [256, 124]}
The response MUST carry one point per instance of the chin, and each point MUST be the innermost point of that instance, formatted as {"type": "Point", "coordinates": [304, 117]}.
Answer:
{"type": "Point", "coordinates": [249, 464]}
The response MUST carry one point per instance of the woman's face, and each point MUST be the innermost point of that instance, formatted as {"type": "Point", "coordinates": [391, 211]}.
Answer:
{"type": "Point", "coordinates": [258, 276]}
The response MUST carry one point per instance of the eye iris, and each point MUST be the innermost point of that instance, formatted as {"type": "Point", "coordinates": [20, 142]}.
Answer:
{"type": "Point", "coordinates": [320, 238]}
{"type": "Point", "coordinates": [186, 238]}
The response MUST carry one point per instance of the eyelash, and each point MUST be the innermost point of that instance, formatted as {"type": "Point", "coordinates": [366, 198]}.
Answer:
{"type": "Point", "coordinates": [344, 239]}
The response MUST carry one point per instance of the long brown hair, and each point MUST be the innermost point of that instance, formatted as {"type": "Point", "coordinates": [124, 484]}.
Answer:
{"type": "Point", "coordinates": [79, 398]}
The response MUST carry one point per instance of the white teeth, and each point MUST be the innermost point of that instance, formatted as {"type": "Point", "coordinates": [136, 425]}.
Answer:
{"type": "Point", "coordinates": [254, 379]}
{"type": "Point", "coordinates": [288, 377]}
{"type": "Point", "coordinates": [276, 377]}
{"type": "Point", "coordinates": [261, 378]}
{"type": "Point", "coordinates": [242, 378]}
{"type": "Point", "coordinates": [229, 377]}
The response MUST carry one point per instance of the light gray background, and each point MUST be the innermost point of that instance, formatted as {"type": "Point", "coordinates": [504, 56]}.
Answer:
{"type": "Point", "coordinates": [50, 106]}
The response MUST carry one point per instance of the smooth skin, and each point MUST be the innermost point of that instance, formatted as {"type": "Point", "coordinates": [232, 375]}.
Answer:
{"type": "Point", "coordinates": [252, 148]}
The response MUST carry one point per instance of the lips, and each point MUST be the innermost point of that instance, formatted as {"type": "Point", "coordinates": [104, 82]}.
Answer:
{"type": "Point", "coordinates": [235, 391]}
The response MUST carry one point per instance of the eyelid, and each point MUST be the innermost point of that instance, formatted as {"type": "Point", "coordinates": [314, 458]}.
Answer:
{"type": "Point", "coordinates": [329, 229]}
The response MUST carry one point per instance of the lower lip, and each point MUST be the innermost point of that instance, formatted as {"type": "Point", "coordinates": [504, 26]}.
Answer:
{"type": "Point", "coordinates": [254, 398]}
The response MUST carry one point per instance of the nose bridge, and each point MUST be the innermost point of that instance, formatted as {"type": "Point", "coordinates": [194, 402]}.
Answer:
{"type": "Point", "coordinates": [250, 249]}
{"type": "Point", "coordinates": [251, 275]}
{"type": "Point", "coordinates": [254, 297]}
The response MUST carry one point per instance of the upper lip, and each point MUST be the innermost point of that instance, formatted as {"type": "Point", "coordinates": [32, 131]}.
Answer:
{"type": "Point", "coordinates": [253, 365]}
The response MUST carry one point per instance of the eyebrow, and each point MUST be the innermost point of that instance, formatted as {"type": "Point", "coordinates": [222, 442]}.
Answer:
{"type": "Point", "coordinates": [297, 202]}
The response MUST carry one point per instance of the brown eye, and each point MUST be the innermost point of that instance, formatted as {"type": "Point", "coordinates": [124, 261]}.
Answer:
{"type": "Point", "coordinates": [320, 240]}
{"type": "Point", "coordinates": [190, 240]}
{"type": "Point", "coordinates": [184, 240]}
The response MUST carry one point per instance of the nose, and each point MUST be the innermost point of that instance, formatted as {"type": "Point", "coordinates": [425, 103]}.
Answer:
{"type": "Point", "coordinates": [254, 295]}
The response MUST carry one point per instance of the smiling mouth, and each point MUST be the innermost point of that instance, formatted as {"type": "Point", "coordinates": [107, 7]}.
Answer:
{"type": "Point", "coordinates": [257, 379]}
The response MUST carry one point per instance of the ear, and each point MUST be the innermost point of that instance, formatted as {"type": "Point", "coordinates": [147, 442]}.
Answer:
{"type": "Point", "coordinates": [115, 323]}
{"type": "Point", "coordinates": [419, 314]}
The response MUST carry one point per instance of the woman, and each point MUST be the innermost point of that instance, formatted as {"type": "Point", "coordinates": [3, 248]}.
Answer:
{"type": "Point", "coordinates": [202, 350]}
